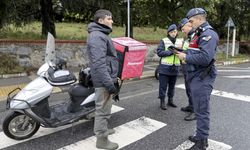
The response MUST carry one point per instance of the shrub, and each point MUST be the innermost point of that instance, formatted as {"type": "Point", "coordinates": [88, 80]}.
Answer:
{"type": "Point", "coordinates": [244, 48]}
{"type": "Point", "coordinates": [8, 64]}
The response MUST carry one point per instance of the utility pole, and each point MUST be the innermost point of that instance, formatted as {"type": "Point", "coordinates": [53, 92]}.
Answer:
{"type": "Point", "coordinates": [129, 26]}
{"type": "Point", "coordinates": [233, 45]}
{"type": "Point", "coordinates": [228, 34]}
{"type": "Point", "coordinates": [230, 24]}
{"type": "Point", "coordinates": [128, 9]}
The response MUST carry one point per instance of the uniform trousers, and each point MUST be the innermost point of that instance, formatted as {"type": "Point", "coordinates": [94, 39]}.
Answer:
{"type": "Point", "coordinates": [201, 91]}
{"type": "Point", "coordinates": [188, 91]}
{"type": "Point", "coordinates": [167, 82]}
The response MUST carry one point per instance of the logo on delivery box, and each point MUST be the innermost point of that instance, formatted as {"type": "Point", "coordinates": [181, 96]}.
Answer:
{"type": "Point", "coordinates": [134, 63]}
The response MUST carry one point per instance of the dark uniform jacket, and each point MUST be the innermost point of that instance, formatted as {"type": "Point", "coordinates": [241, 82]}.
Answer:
{"type": "Point", "coordinates": [202, 49]}
{"type": "Point", "coordinates": [102, 55]}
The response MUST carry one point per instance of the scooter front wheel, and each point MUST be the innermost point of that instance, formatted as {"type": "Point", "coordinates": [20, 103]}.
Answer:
{"type": "Point", "coordinates": [19, 126]}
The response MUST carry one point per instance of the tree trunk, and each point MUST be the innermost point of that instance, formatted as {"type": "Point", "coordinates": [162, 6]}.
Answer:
{"type": "Point", "coordinates": [47, 16]}
{"type": "Point", "coordinates": [2, 12]}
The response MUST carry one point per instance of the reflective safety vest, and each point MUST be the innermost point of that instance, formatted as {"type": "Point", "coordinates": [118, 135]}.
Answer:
{"type": "Point", "coordinates": [185, 45]}
{"type": "Point", "coordinates": [186, 42]}
{"type": "Point", "coordinates": [172, 59]}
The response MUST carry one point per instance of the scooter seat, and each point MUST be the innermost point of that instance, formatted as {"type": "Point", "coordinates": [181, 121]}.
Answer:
{"type": "Point", "coordinates": [60, 77]}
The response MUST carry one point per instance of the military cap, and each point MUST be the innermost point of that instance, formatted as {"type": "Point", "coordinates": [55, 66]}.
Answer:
{"type": "Point", "coordinates": [183, 22]}
{"type": "Point", "coordinates": [195, 11]}
{"type": "Point", "coordinates": [171, 27]}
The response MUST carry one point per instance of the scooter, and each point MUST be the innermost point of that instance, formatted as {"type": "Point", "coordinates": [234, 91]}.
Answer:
{"type": "Point", "coordinates": [30, 107]}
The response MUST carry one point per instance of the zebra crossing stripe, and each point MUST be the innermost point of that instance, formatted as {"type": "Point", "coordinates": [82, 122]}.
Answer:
{"type": "Point", "coordinates": [212, 145]}
{"type": "Point", "coordinates": [6, 142]}
{"type": "Point", "coordinates": [232, 67]}
{"type": "Point", "coordinates": [238, 77]}
{"type": "Point", "coordinates": [124, 135]}
{"type": "Point", "coordinates": [234, 71]}
{"type": "Point", "coordinates": [239, 97]}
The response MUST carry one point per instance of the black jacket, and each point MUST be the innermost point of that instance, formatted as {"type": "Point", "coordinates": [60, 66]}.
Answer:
{"type": "Point", "coordinates": [102, 55]}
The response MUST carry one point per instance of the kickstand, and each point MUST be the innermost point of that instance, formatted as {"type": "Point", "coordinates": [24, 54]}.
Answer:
{"type": "Point", "coordinates": [72, 127]}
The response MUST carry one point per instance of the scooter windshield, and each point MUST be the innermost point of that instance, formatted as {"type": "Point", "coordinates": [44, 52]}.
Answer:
{"type": "Point", "coordinates": [50, 54]}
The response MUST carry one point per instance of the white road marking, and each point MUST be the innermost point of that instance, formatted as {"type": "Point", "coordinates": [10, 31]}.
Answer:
{"type": "Point", "coordinates": [224, 94]}
{"type": "Point", "coordinates": [233, 70]}
{"type": "Point", "coordinates": [125, 134]}
{"type": "Point", "coordinates": [238, 77]}
{"type": "Point", "coordinates": [151, 67]}
{"type": "Point", "coordinates": [212, 145]}
{"type": "Point", "coordinates": [135, 81]}
{"type": "Point", "coordinates": [231, 67]}
{"type": "Point", "coordinates": [6, 142]}
{"type": "Point", "coordinates": [139, 94]}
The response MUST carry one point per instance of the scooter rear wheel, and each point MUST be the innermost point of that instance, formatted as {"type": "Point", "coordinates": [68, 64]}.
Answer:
{"type": "Point", "coordinates": [19, 126]}
{"type": "Point", "coordinates": [156, 73]}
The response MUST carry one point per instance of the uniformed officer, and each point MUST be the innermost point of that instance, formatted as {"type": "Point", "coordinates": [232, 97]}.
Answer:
{"type": "Point", "coordinates": [168, 68]}
{"type": "Point", "coordinates": [201, 73]}
{"type": "Point", "coordinates": [186, 28]}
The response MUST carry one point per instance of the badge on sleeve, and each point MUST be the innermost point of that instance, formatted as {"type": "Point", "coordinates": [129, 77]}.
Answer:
{"type": "Point", "coordinates": [207, 38]}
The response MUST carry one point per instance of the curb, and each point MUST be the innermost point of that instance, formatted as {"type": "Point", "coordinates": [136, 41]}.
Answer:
{"type": "Point", "coordinates": [235, 62]}
{"type": "Point", "coordinates": [222, 63]}
{"type": "Point", "coordinates": [5, 76]}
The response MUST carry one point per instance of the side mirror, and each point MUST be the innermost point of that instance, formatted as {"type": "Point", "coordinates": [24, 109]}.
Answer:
{"type": "Point", "coordinates": [61, 63]}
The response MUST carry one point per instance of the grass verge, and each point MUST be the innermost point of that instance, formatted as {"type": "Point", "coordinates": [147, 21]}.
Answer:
{"type": "Point", "coordinates": [76, 31]}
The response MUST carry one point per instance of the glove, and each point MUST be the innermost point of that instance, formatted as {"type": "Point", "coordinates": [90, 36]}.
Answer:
{"type": "Point", "coordinates": [115, 97]}
{"type": "Point", "coordinates": [117, 86]}
{"type": "Point", "coordinates": [113, 90]}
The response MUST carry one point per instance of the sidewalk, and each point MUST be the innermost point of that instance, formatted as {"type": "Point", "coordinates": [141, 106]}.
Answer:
{"type": "Point", "coordinates": [10, 82]}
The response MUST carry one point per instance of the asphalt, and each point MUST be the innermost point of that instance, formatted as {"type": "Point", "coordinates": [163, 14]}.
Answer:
{"type": "Point", "coordinates": [9, 82]}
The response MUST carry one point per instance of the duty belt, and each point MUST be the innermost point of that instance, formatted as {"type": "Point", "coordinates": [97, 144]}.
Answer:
{"type": "Point", "coordinates": [206, 70]}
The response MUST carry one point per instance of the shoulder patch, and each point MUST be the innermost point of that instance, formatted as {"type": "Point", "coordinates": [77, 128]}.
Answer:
{"type": "Point", "coordinates": [207, 38]}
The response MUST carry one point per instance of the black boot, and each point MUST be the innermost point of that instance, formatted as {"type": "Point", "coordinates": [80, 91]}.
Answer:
{"type": "Point", "coordinates": [163, 105]}
{"type": "Point", "coordinates": [171, 103]}
{"type": "Point", "coordinates": [199, 145]}
{"type": "Point", "coordinates": [190, 117]}
{"type": "Point", "coordinates": [194, 140]}
{"type": "Point", "coordinates": [187, 109]}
